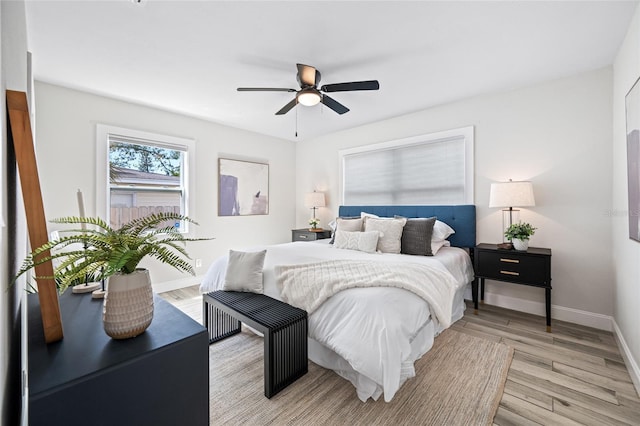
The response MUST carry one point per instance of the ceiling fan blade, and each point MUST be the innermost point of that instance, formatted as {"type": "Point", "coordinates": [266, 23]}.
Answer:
{"type": "Point", "coordinates": [347, 87]}
{"type": "Point", "coordinates": [285, 109]}
{"type": "Point", "coordinates": [334, 105]}
{"type": "Point", "coordinates": [308, 75]}
{"type": "Point", "coordinates": [264, 89]}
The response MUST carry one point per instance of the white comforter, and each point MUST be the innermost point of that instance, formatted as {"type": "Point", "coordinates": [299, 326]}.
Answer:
{"type": "Point", "coordinates": [309, 285]}
{"type": "Point", "coordinates": [377, 332]}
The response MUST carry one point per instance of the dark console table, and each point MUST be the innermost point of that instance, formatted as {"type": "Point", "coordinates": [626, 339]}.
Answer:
{"type": "Point", "coordinates": [158, 378]}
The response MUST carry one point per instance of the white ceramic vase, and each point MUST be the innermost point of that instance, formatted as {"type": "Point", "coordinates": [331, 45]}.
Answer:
{"type": "Point", "coordinates": [128, 304]}
{"type": "Point", "coordinates": [519, 244]}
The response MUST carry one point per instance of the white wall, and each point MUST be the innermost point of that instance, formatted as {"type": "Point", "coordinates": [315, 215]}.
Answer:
{"type": "Point", "coordinates": [556, 134]}
{"type": "Point", "coordinates": [13, 76]}
{"type": "Point", "coordinates": [66, 129]}
{"type": "Point", "coordinates": [626, 252]}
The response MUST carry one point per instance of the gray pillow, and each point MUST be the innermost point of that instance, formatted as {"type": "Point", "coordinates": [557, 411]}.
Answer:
{"type": "Point", "coordinates": [244, 271]}
{"type": "Point", "coordinates": [416, 236]}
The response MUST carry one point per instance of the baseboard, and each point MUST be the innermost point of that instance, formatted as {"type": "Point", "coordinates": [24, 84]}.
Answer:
{"type": "Point", "coordinates": [562, 313]}
{"type": "Point", "coordinates": [176, 284]}
{"type": "Point", "coordinates": [629, 361]}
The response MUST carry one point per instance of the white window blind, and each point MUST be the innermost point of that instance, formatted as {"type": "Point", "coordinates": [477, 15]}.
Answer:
{"type": "Point", "coordinates": [423, 170]}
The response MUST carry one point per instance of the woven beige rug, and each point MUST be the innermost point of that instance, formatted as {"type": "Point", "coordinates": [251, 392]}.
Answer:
{"type": "Point", "coordinates": [459, 382]}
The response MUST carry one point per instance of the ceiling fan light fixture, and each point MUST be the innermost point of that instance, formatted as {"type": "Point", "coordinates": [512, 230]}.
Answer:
{"type": "Point", "coordinates": [308, 97]}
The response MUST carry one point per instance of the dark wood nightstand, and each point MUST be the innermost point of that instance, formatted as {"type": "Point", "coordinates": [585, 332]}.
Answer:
{"type": "Point", "coordinates": [531, 267]}
{"type": "Point", "coordinates": [306, 235]}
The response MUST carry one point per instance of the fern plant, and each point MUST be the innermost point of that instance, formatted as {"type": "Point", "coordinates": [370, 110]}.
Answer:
{"type": "Point", "coordinates": [107, 251]}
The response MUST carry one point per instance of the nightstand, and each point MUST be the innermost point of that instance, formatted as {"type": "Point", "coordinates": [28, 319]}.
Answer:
{"type": "Point", "coordinates": [306, 235]}
{"type": "Point", "coordinates": [531, 267]}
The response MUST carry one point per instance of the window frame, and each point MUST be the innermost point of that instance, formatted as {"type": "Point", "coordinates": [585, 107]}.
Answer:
{"type": "Point", "coordinates": [188, 146]}
{"type": "Point", "coordinates": [465, 132]}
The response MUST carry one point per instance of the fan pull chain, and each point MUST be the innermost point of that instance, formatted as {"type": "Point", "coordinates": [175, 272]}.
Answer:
{"type": "Point", "coordinates": [297, 117]}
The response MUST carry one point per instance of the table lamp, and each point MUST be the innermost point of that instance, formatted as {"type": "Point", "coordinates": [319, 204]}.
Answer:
{"type": "Point", "coordinates": [313, 200]}
{"type": "Point", "coordinates": [510, 194]}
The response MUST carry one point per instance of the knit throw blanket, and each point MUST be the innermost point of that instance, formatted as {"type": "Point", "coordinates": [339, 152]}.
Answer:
{"type": "Point", "coordinates": [307, 286]}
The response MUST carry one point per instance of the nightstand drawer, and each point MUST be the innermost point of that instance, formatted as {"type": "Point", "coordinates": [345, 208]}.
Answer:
{"type": "Point", "coordinates": [306, 235]}
{"type": "Point", "coordinates": [516, 267]}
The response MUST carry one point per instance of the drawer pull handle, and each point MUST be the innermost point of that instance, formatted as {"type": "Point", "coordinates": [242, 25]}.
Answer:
{"type": "Point", "coordinates": [303, 237]}
{"type": "Point", "coordinates": [509, 260]}
{"type": "Point", "coordinates": [510, 273]}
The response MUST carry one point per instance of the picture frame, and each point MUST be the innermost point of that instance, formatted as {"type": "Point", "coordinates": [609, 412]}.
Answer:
{"type": "Point", "coordinates": [243, 188]}
{"type": "Point", "coordinates": [632, 109]}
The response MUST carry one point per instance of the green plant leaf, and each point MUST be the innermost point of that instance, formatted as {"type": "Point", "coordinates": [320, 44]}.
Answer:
{"type": "Point", "coordinates": [107, 251]}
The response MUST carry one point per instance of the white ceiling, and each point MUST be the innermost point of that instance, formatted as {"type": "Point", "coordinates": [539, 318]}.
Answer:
{"type": "Point", "coordinates": [189, 57]}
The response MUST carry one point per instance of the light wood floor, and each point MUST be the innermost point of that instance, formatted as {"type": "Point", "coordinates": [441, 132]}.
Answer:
{"type": "Point", "coordinates": [574, 375]}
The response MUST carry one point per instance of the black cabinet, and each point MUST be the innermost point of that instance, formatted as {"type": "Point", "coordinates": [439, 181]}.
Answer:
{"type": "Point", "coordinates": [308, 235]}
{"type": "Point", "coordinates": [531, 267]}
{"type": "Point", "coordinates": [160, 377]}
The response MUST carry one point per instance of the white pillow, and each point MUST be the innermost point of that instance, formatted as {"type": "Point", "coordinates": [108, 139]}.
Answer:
{"type": "Point", "coordinates": [364, 215]}
{"type": "Point", "coordinates": [391, 233]}
{"type": "Point", "coordinates": [361, 241]}
{"type": "Point", "coordinates": [441, 231]}
{"type": "Point", "coordinates": [437, 245]}
{"type": "Point", "coordinates": [244, 271]}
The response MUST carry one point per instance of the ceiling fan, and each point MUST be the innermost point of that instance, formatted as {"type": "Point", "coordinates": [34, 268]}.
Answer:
{"type": "Point", "coordinates": [309, 94]}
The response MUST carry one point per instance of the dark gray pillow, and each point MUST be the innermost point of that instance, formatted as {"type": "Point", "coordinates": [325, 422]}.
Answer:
{"type": "Point", "coordinates": [416, 236]}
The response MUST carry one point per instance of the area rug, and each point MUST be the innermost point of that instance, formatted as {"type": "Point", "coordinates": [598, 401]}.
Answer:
{"type": "Point", "coordinates": [459, 382]}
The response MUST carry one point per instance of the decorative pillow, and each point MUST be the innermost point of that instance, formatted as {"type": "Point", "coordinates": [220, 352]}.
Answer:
{"type": "Point", "coordinates": [361, 241]}
{"type": "Point", "coordinates": [391, 233]}
{"type": "Point", "coordinates": [441, 231]}
{"type": "Point", "coordinates": [416, 236]}
{"type": "Point", "coordinates": [351, 224]}
{"type": "Point", "coordinates": [244, 271]}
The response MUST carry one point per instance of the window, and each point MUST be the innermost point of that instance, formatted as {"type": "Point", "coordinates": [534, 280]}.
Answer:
{"type": "Point", "coordinates": [144, 174]}
{"type": "Point", "coordinates": [428, 169]}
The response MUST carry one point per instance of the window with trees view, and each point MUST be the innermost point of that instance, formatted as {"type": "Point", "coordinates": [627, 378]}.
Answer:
{"type": "Point", "coordinates": [146, 174]}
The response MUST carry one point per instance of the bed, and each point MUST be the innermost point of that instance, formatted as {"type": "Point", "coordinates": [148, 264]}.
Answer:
{"type": "Point", "coordinates": [372, 336]}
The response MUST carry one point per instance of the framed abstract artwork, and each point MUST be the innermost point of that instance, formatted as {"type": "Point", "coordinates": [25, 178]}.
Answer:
{"type": "Point", "coordinates": [632, 104]}
{"type": "Point", "coordinates": [243, 188]}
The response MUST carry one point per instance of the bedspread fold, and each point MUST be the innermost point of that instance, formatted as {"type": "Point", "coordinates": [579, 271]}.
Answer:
{"type": "Point", "coordinates": [309, 285]}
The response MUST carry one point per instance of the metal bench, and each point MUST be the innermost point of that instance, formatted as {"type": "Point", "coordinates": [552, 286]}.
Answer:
{"type": "Point", "coordinates": [284, 328]}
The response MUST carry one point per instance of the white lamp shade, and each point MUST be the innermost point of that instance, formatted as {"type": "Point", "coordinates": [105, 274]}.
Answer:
{"type": "Point", "coordinates": [511, 194]}
{"type": "Point", "coordinates": [314, 199]}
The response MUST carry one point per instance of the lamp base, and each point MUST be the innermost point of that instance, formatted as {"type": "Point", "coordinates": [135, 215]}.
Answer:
{"type": "Point", "coordinates": [505, 246]}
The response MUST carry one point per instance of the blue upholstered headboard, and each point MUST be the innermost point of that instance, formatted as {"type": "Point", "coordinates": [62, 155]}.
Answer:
{"type": "Point", "coordinates": [461, 218]}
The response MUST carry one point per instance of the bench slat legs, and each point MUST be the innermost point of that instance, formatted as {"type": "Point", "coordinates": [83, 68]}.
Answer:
{"type": "Point", "coordinates": [285, 344]}
{"type": "Point", "coordinates": [285, 357]}
{"type": "Point", "coordinates": [220, 325]}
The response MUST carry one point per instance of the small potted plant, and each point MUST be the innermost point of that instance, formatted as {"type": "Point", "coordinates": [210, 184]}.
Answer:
{"type": "Point", "coordinates": [519, 233]}
{"type": "Point", "coordinates": [314, 223]}
{"type": "Point", "coordinates": [115, 254]}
